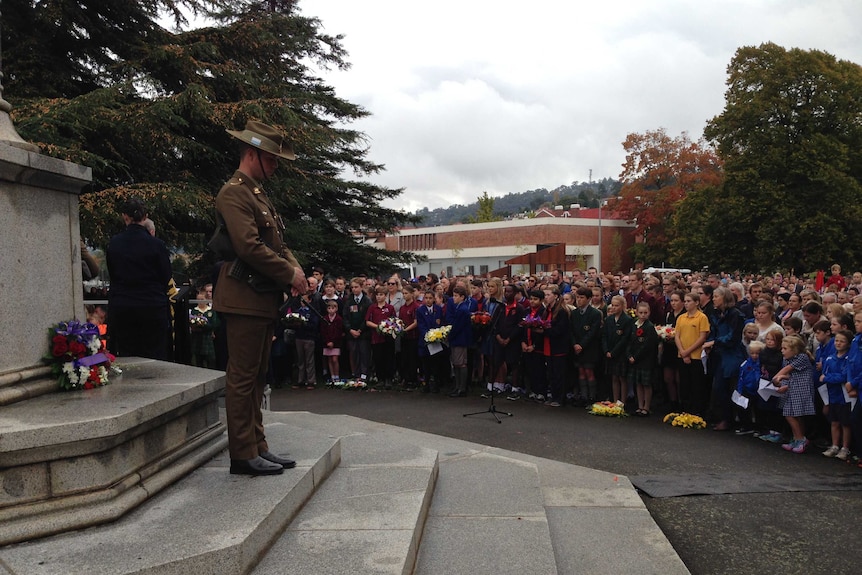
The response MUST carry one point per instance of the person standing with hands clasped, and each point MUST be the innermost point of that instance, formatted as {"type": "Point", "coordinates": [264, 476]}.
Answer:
{"type": "Point", "coordinates": [249, 291]}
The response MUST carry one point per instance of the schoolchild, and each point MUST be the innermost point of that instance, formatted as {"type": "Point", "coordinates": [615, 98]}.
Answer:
{"type": "Point", "coordinates": [795, 380]}
{"type": "Point", "coordinates": [532, 347]}
{"type": "Point", "coordinates": [459, 338]}
{"type": "Point", "coordinates": [433, 366]}
{"type": "Point", "coordinates": [557, 343]}
{"type": "Point", "coordinates": [837, 411]}
{"type": "Point", "coordinates": [356, 332]}
{"type": "Point", "coordinates": [642, 353]}
{"type": "Point", "coordinates": [507, 343]}
{"type": "Point", "coordinates": [586, 322]}
{"type": "Point", "coordinates": [203, 321]}
{"type": "Point", "coordinates": [306, 338]}
{"type": "Point", "coordinates": [854, 384]}
{"type": "Point", "coordinates": [408, 370]}
{"type": "Point", "coordinates": [772, 426]}
{"type": "Point", "coordinates": [747, 386]}
{"type": "Point", "coordinates": [690, 333]}
{"type": "Point", "coordinates": [615, 338]}
{"type": "Point", "coordinates": [382, 345]}
{"type": "Point", "coordinates": [331, 337]}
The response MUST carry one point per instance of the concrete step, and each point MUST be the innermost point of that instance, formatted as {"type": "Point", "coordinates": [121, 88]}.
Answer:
{"type": "Point", "coordinates": [498, 511]}
{"type": "Point", "coordinates": [367, 518]}
{"type": "Point", "coordinates": [487, 517]}
{"type": "Point", "coordinates": [209, 523]}
{"type": "Point", "coordinates": [400, 501]}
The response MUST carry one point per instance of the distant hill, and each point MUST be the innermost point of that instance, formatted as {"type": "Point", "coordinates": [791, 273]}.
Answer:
{"type": "Point", "coordinates": [514, 204]}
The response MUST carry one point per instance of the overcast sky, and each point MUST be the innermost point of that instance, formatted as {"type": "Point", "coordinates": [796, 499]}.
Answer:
{"type": "Point", "coordinates": [500, 96]}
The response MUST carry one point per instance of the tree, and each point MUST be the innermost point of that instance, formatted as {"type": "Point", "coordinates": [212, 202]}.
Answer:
{"type": "Point", "coordinates": [791, 140]}
{"type": "Point", "coordinates": [658, 173]}
{"type": "Point", "coordinates": [147, 109]}
{"type": "Point", "coordinates": [485, 213]}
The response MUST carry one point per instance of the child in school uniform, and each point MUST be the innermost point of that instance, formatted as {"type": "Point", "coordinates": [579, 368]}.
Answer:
{"type": "Point", "coordinates": [837, 411]}
{"type": "Point", "coordinates": [796, 381]}
{"type": "Point", "coordinates": [747, 386]}
{"type": "Point", "coordinates": [642, 353]}
{"type": "Point", "coordinates": [331, 336]}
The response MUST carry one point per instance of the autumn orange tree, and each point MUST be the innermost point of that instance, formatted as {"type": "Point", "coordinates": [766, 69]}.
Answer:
{"type": "Point", "coordinates": [658, 173]}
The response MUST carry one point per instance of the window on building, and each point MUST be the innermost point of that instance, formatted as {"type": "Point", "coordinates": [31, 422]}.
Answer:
{"type": "Point", "coordinates": [483, 270]}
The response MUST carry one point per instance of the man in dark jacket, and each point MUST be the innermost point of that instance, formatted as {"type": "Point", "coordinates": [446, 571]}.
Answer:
{"type": "Point", "coordinates": [140, 269]}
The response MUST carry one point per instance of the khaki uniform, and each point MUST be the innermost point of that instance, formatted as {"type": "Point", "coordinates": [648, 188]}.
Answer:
{"type": "Point", "coordinates": [255, 230]}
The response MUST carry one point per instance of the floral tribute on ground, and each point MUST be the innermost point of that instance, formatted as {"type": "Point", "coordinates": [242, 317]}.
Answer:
{"type": "Point", "coordinates": [686, 420]}
{"type": "Point", "coordinates": [77, 357]}
{"type": "Point", "coordinates": [608, 409]}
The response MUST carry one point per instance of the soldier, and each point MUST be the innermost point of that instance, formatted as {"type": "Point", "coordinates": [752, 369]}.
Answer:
{"type": "Point", "coordinates": [250, 289]}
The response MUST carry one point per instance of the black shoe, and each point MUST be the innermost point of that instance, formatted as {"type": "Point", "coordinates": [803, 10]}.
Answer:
{"type": "Point", "coordinates": [285, 463]}
{"type": "Point", "coordinates": [256, 466]}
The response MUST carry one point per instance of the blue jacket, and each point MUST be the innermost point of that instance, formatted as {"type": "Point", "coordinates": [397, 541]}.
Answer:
{"type": "Point", "coordinates": [749, 377]}
{"type": "Point", "coordinates": [458, 316]}
{"type": "Point", "coordinates": [835, 376]}
{"type": "Point", "coordinates": [854, 363]}
{"type": "Point", "coordinates": [728, 351]}
{"type": "Point", "coordinates": [426, 320]}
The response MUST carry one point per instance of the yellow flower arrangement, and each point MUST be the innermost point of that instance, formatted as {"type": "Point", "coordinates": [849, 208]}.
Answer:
{"type": "Point", "coordinates": [608, 409]}
{"type": "Point", "coordinates": [686, 420]}
{"type": "Point", "coordinates": [438, 334]}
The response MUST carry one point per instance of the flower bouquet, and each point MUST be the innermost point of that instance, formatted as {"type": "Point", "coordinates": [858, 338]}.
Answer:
{"type": "Point", "coordinates": [534, 322]}
{"type": "Point", "coordinates": [391, 326]}
{"type": "Point", "coordinates": [294, 320]}
{"type": "Point", "coordinates": [686, 420]}
{"type": "Point", "coordinates": [608, 409]}
{"type": "Point", "coordinates": [198, 321]}
{"type": "Point", "coordinates": [436, 338]}
{"type": "Point", "coordinates": [438, 334]}
{"type": "Point", "coordinates": [480, 320]}
{"type": "Point", "coordinates": [78, 357]}
{"type": "Point", "coordinates": [632, 312]}
{"type": "Point", "coordinates": [665, 332]}
{"type": "Point", "coordinates": [354, 384]}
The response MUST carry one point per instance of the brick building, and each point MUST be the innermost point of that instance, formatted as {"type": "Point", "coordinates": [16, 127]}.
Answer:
{"type": "Point", "coordinates": [554, 238]}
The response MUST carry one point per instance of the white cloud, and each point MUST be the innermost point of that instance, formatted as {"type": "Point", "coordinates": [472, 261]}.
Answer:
{"type": "Point", "coordinates": [504, 96]}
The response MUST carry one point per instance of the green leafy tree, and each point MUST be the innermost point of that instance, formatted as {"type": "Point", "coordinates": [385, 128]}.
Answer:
{"type": "Point", "coordinates": [101, 83]}
{"type": "Point", "coordinates": [791, 140]}
{"type": "Point", "coordinates": [485, 213]}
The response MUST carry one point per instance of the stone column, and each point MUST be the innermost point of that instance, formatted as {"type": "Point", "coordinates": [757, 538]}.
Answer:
{"type": "Point", "coordinates": [40, 259]}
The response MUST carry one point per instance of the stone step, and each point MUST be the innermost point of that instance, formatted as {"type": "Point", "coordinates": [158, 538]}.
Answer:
{"type": "Point", "coordinates": [367, 518]}
{"type": "Point", "coordinates": [210, 522]}
{"type": "Point", "coordinates": [487, 517]}
{"type": "Point", "coordinates": [498, 511]}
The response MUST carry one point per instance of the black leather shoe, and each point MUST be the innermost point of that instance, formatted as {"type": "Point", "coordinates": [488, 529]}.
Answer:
{"type": "Point", "coordinates": [285, 463]}
{"type": "Point", "coordinates": [256, 466]}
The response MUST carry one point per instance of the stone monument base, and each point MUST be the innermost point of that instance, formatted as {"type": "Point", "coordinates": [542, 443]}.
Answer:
{"type": "Point", "coordinates": [70, 460]}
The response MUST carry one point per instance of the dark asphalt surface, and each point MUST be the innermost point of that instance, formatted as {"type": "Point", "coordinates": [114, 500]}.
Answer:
{"type": "Point", "coordinates": [764, 533]}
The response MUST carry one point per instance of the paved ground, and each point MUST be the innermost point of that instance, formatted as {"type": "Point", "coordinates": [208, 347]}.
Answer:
{"type": "Point", "coordinates": [791, 532]}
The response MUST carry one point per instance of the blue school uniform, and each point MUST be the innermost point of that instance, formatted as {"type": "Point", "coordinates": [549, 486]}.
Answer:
{"type": "Point", "coordinates": [749, 377]}
{"type": "Point", "coordinates": [835, 376]}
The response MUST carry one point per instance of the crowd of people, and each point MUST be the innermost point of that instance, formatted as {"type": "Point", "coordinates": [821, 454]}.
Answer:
{"type": "Point", "coordinates": [776, 357]}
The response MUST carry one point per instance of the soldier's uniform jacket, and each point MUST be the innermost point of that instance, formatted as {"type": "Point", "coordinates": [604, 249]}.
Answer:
{"type": "Point", "coordinates": [255, 231]}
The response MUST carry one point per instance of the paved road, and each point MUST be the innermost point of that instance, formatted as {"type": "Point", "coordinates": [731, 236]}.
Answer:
{"type": "Point", "coordinates": [790, 532]}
